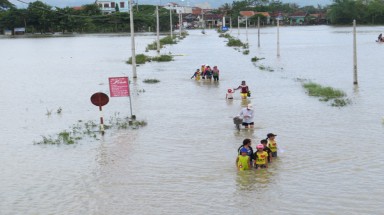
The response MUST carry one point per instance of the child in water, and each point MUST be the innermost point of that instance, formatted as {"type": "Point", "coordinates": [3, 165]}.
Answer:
{"type": "Point", "coordinates": [229, 94]}
{"type": "Point", "coordinates": [261, 156]}
{"type": "Point", "coordinates": [243, 160]}
{"type": "Point", "coordinates": [196, 75]}
{"type": "Point", "coordinates": [266, 149]}
{"type": "Point", "coordinates": [272, 144]}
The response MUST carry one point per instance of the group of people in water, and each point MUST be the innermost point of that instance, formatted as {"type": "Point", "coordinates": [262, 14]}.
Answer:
{"type": "Point", "coordinates": [265, 154]}
{"type": "Point", "coordinates": [244, 91]}
{"type": "Point", "coordinates": [207, 73]}
{"type": "Point", "coordinates": [266, 150]}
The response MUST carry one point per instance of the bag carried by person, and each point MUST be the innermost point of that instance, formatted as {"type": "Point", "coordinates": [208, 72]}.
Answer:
{"type": "Point", "coordinates": [249, 93]}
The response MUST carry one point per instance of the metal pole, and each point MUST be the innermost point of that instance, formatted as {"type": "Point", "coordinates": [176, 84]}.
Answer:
{"type": "Point", "coordinates": [354, 54]}
{"type": "Point", "coordinates": [180, 20]}
{"type": "Point", "coordinates": [238, 26]}
{"type": "Point", "coordinates": [132, 40]}
{"type": "Point", "coordinates": [246, 28]}
{"type": "Point", "coordinates": [130, 101]}
{"type": "Point", "coordinates": [170, 18]}
{"type": "Point", "coordinates": [278, 38]}
{"type": "Point", "coordinates": [230, 23]}
{"type": "Point", "coordinates": [223, 21]}
{"type": "Point", "coordinates": [101, 121]}
{"type": "Point", "coordinates": [157, 29]}
{"type": "Point", "coordinates": [258, 31]}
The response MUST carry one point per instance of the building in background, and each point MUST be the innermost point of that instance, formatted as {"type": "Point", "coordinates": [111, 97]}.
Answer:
{"type": "Point", "coordinates": [110, 6]}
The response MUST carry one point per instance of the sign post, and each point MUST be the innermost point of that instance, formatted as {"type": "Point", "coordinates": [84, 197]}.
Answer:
{"type": "Point", "coordinates": [119, 87]}
{"type": "Point", "coordinates": [100, 99]}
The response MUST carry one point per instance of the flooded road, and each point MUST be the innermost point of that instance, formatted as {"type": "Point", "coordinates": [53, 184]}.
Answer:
{"type": "Point", "coordinates": [184, 159]}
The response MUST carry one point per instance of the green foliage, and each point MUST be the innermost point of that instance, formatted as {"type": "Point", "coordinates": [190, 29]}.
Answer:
{"type": "Point", "coordinates": [364, 12]}
{"type": "Point", "coordinates": [264, 68]}
{"type": "Point", "coordinates": [162, 58]}
{"type": "Point", "coordinates": [140, 59]}
{"type": "Point", "coordinates": [255, 59]}
{"type": "Point", "coordinates": [43, 18]}
{"type": "Point", "coordinates": [326, 94]}
{"type": "Point", "coordinates": [5, 4]}
{"type": "Point", "coordinates": [246, 52]}
{"type": "Point", "coordinates": [225, 35]}
{"type": "Point", "coordinates": [234, 42]}
{"type": "Point", "coordinates": [163, 41]}
{"type": "Point", "coordinates": [88, 130]}
{"type": "Point", "coordinates": [151, 81]}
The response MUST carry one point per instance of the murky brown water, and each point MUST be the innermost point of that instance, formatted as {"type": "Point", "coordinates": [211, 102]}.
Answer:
{"type": "Point", "coordinates": [183, 161]}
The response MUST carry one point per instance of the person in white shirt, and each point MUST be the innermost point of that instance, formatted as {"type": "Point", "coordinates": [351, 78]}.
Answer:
{"type": "Point", "coordinates": [247, 114]}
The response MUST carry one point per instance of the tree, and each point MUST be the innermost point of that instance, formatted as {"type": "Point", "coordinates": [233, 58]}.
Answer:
{"type": "Point", "coordinates": [40, 16]}
{"type": "Point", "coordinates": [5, 4]}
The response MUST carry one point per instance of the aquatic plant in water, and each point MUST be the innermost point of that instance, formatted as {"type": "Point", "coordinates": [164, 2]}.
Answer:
{"type": "Point", "coordinates": [326, 94]}
{"type": "Point", "coordinates": [151, 81]}
{"type": "Point", "coordinates": [255, 59]}
{"type": "Point", "coordinates": [162, 58]}
{"type": "Point", "coordinates": [89, 129]}
{"type": "Point", "coordinates": [264, 68]}
{"type": "Point", "coordinates": [234, 42]}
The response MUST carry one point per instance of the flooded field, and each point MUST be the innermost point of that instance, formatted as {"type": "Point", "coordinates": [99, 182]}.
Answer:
{"type": "Point", "coordinates": [184, 159]}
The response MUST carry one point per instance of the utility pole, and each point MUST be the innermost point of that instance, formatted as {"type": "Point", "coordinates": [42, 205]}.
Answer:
{"type": "Point", "coordinates": [238, 26]}
{"type": "Point", "coordinates": [278, 37]}
{"type": "Point", "coordinates": [157, 29]}
{"type": "Point", "coordinates": [246, 28]}
{"type": "Point", "coordinates": [132, 40]}
{"type": "Point", "coordinates": [258, 31]}
{"type": "Point", "coordinates": [170, 20]}
{"type": "Point", "coordinates": [354, 54]}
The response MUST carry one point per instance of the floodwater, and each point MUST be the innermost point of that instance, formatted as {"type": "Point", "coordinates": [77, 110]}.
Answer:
{"type": "Point", "coordinates": [183, 161]}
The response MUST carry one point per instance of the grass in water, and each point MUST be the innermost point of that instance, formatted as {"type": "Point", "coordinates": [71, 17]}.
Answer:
{"type": "Point", "coordinates": [246, 52]}
{"type": "Point", "coordinates": [255, 59]}
{"type": "Point", "coordinates": [162, 58]}
{"type": "Point", "coordinates": [89, 129]}
{"type": "Point", "coordinates": [140, 59]}
{"type": "Point", "coordinates": [235, 42]}
{"type": "Point", "coordinates": [225, 35]}
{"type": "Point", "coordinates": [151, 81]}
{"type": "Point", "coordinates": [163, 41]}
{"type": "Point", "coordinates": [326, 94]}
{"type": "Point", "coordinates": [264, 68]}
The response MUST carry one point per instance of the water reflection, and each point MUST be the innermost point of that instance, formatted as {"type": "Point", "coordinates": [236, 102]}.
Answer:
{"type": "Point", "coordinates": [253, 180]}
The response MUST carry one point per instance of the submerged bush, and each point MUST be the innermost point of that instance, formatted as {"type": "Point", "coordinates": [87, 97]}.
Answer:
{"type": "Point", "coordinates": [326, 94]}
{"type": "Point", "coordinates": [162, 58]}
{"type": "Point", "coordinates": [246, 52]}
{"type": "Point", "coordinates": [264, 68]}
{"type": "Point", "coordinates": [225, 35]}
{"type": "Point", "coordinates": [151, 81]}
{"type": "Point", "coordinates": [255, 59]}
{"type": "Point", "coordinates": [140, 59]}
{"type": "Point", "coordinates": [163, 41]}
{"type": "Point", "coordinates": [88, 129]}
{"type": "Point", "coordinates": [234, 42]}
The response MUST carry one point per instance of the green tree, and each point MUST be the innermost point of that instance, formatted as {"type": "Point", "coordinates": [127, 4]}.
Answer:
{"type": "Point", "coordinates": [13, 18]}
{"type": "Point", "coordinates": [5, 4]}
{"type": "Point", "coordinates": [40, 16]}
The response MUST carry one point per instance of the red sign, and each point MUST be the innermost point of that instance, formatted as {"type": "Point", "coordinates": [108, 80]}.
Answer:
{"type": "Point", "coordinates": [119, 87]}
{"type": "Point", "coordinates": [99, 99]}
